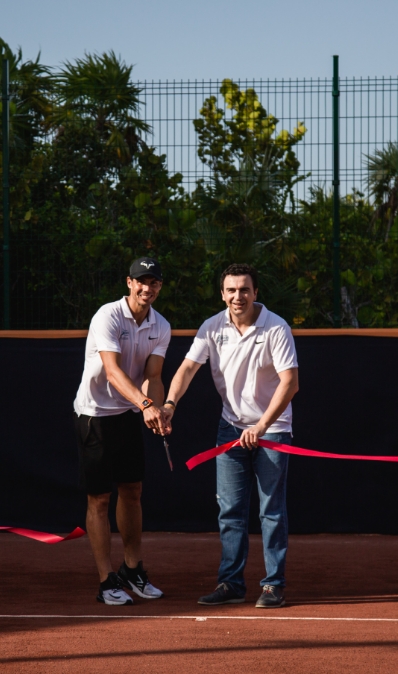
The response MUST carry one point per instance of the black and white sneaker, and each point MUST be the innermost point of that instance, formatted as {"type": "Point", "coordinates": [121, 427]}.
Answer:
{"type": "Point", "coordinates": [111, 592]}
{"type": "Point", "coordinates": [137, 581]}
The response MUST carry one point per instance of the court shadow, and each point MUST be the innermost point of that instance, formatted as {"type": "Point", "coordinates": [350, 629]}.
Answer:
{"type": "Point", "coordinates": [267, 646]}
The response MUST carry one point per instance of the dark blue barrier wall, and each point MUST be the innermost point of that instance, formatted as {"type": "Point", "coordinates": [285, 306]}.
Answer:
{"type": "Point", "coordinates": [347, 403]}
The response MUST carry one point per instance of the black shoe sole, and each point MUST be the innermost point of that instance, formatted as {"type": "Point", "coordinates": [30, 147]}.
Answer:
{"type": "Point", "coordinates": [238, 600]}
{"type": "Point", "coordinates": [282, 603]}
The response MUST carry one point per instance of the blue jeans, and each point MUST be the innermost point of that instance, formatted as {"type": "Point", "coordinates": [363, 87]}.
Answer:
{"type": "Point", "coordinates": [236, 470]}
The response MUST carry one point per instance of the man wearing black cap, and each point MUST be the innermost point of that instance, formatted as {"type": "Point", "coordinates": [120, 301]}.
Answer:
{"type": "Point", "coordinates": [125, 350]}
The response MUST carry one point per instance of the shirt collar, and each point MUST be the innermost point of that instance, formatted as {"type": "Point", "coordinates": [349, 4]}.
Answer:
{"type": "Point", "coordinates": [150, 317]}
{"type": "Point", "coordinates": [261, 318]}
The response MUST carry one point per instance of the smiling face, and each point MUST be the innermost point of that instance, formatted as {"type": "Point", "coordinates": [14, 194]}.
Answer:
{"type": "Point", "coordinates": [143, 291]}
{"type": "Point", "coordinates": [239, 295]}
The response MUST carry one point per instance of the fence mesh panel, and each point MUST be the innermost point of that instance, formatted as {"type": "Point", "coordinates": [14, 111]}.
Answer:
{"type": "Point", "coordinates": [216, 172]}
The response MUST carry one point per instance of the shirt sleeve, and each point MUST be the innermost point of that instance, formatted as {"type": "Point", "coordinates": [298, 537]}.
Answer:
{"type": "Point", "coordinates": [283, 350]}
{"type": "Point", "coordinates": [199, 351]}
{"type": "Point", "coordinates": [161, 346]}
{"type": "Point", "coordinates": [105, 330]}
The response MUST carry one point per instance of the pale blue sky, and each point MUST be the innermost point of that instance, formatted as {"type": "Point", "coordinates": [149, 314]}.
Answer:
{"type": "Point", "coordinates": [182, 39]}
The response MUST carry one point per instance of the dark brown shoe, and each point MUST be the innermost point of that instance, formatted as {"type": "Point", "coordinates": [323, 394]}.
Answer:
{"type": "Point", "coordinates": [223, 594]}
{"type": "Point", "coordinates": [272, 596]}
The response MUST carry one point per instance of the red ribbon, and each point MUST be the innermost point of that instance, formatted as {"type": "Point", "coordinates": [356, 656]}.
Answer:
{"type": "Point", "coordinates": [43, 537]}
{"type": "Point", "coordinates": [286, 449]}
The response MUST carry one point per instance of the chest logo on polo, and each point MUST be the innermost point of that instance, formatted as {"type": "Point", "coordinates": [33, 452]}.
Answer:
{"type": "Point", "coordinates": [221, 339]}
{"type": "Point", "coordinates": [124, 334]}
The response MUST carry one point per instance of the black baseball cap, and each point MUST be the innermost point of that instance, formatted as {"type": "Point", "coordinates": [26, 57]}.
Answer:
{"type": "Point", "coordinates": [145, 266]}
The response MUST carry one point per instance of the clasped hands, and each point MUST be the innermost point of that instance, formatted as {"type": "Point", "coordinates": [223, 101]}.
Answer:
{"type": "Point", "coordinates": [158, 419]}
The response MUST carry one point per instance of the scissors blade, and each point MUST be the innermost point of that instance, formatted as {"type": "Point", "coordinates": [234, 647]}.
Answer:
{"type": "Point", "coordinates": [166, 446]}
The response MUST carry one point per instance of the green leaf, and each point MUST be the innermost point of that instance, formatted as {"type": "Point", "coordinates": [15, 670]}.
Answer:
{"type": "Point", "coordinates": [303, 284]}
{"type": "Point", "coordinates": [349, 277]}
{"type": "Point", "coordinates": [160, 214]}
{"type": "Point", "coordinates": [188, 217]}
{"type": "Point", "coordinates": [142, 199]}
{"type": "Point", "coordinates": [309, 245]}
{"type": "Point", "coordinates": [206, 291]}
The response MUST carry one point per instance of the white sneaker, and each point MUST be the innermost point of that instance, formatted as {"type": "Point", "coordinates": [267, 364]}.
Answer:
{"type": "Point", "coordinates": [111, 592]}
{"type": "Point", "coordinates": [137, 581]}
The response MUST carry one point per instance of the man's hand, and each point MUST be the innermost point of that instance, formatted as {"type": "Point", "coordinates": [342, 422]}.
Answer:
{"type": "Point", "coordinates": [168, 413]}
{"type": "Point", "coordinates": [250, 436]}
{"type": "Point", "coordinates": [153, 417]}
{"type": "Point", "coordinates": [287, 387]}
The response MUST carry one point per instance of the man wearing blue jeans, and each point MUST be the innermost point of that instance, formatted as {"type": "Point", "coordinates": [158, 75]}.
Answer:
{"type": "Point", "coordinates": [254, 368]}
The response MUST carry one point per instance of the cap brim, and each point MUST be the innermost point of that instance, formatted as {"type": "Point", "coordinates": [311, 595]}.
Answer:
{"type": "Point", "coordinates": [159, 278]}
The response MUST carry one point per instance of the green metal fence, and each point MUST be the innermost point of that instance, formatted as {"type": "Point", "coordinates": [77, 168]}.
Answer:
{"type": "Point", "coordinates": [299, 177]}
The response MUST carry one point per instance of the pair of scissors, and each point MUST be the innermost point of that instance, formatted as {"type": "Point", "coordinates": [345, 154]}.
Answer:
{"type": "Point", "coordinates": [166, 446]}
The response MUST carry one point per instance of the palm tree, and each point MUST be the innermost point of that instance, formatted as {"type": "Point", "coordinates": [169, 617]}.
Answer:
{"type": "Point", "coordinates": [30, 89]}
{"type": "Point", "coordinates": [383, 184]}
{"type": "Point", "coordinates": [96, 91]}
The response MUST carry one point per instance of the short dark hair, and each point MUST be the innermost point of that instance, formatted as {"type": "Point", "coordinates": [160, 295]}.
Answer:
{"type": "Point", "coordinates": [240, 270]}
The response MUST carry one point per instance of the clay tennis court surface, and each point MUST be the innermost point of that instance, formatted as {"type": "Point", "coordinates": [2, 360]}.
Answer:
{"type": "Point", "coordinates": [341, 613]}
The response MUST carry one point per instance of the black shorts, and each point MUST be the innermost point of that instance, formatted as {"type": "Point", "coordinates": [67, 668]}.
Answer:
{"type": "Point", "coordinates": [111, 449]}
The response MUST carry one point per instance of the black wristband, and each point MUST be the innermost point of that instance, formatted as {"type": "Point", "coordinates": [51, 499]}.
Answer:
{"type": "Point", "coordinates": [170, 402]}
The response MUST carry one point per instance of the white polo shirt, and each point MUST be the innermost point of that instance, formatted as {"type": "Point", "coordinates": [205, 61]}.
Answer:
{"type": "Point", "coordinates": [245, 368]}
{"type": "Point", "coordinates": [113, 328]}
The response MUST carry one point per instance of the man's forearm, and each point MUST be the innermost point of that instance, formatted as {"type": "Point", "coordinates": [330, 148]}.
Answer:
{"type": "Point", "coordinates": [123, 384]}
{"type": "Point", "coordinates": [153, 416]}
{"type": "Point", "coordinates": [154, 389]}
{"type": "Point", "coordinates": [279, 401]}
{"type": "Point", "coordinates": [283, 394]}
{"type": "Point", "coordinates": [182, 379]}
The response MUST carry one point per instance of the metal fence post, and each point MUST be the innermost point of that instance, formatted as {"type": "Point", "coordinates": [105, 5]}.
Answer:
{"type": "Point", "coordinates": [336, 196]}
{"type": "Point", "coordinates": [6, 190]}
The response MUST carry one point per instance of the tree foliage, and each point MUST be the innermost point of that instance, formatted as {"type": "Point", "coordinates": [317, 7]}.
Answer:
{"type": "Point", "coordinates": [89, 194]}
{"type": "Point", "coordinates": [242, 210]}
{"type": "Point", "coordinates": [382, 170]}
{"type": "Point", "coordinates": [369, 264]}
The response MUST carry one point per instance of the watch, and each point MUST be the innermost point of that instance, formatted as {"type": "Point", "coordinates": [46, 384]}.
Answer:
{"type": "Point", "coordinates": [170, 402]}
{"type": "Point", "coordinates": [147, 402]}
